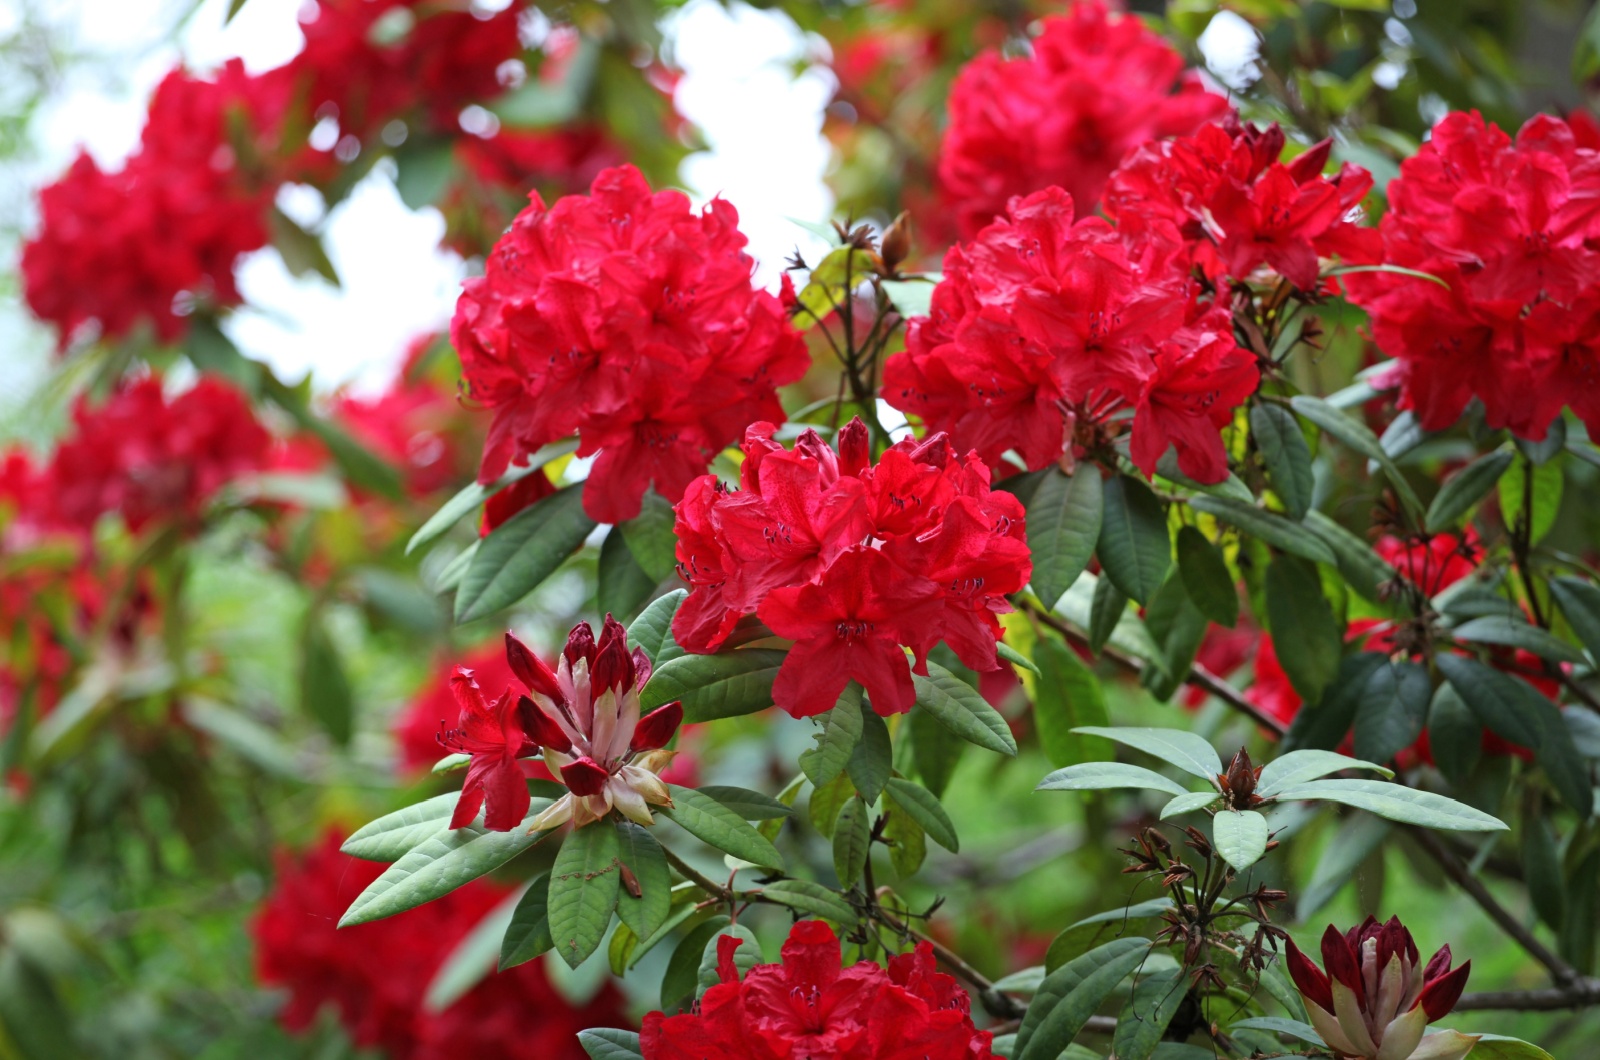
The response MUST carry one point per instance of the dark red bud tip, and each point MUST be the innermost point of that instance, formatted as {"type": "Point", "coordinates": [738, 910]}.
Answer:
{"type": "Point", "coordinates": [1441, 995]}
{"type": "Point", "coordinates": [656, 728]}
{"type": "Point", "coordinates": [1308, 978]}
{"type": "Point", "coordinates": [540, 727]}
{"type": "Point", "coordinates": [580, 644]}
{"type": "Point", "coordinates": [1342, 963]}
{"type": "Point", "coordinates": [530, 669]}
{"type": "Point", "coordinates": [612, 666]}
{"type": "Point", "coordinates": [855, 448]}
{"type": "Point", "coordinates": [585, 776]}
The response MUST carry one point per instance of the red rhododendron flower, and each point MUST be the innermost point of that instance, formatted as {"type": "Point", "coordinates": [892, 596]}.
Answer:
{"type": "Point", "coordinates": [1236, 207]}
{"type": "Point", "coordinates": [492, 733]}
{"type": "Point", "coordinates": [150, 457]}
{"type": "Point", "coordinates": [375, 975]}
{"type": "Point", "coordinates": [1376, 998]}
{"type": "Point", "coordinates": [1097, 86]}
{"type": "Point", "coordinates": [1044, 329]}
{"type": "Point", "coordinates": [435, 708]}
{"type": "Point", "coordinates": [1513, 231]}
{"type": "Point", "coordinates": [808, 1006]}
{"type": "Point", "coordinates": [851, 561]}
{"type": "Point", "coordinates": [630, 319]}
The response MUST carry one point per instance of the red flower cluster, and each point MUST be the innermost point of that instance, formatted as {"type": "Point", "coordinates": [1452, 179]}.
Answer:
{"type": "Point", "coordinates": [808, 1006]}
{"type": "Point", "coordinates": [1236, 207]}
{"type": "Point", "coordinates": [376, 975]}
{"type": "Point", "coordinates": [630, 319]}
{"type": "Point", "coordinates": [161, 232]}
{"type": "Point", "coordinates": [1377, 998]}
{"type": "Point", "coordinates": [1513, 231]}
{"type": "Point", "coordinates": [1044, 329]}
{"type": "Point", "coordinates": [152, 458]}
{"type": "Point", "coordinates": [851, 560]}
{"type": "Point", "coordinates": [1097, 86]}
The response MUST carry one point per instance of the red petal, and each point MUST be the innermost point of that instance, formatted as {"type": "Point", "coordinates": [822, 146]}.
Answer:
{"type": "Point", "coordinates": [1308, 978]}
{"type": "Point", "coordinates": [612, 667]}
{"type": "Point", "coordinates": [1440, 995]}
{"type": "Point", "coordinates": [530, 669]}
{"type": "Point", "coordinates": [727, 971]}
{"type": "Point", "coordinates": [1438, 965]}
{"type": "Point", "coordinates": [585, 776]}
{"type": "Point", "coordinates": [1340, 961]}
{"type": "Point", "coordinates": [656, 728]}
{"type": "Point", "coordinates": [580, 644]}
{"type": "Point", "coordinates": [541, 727]}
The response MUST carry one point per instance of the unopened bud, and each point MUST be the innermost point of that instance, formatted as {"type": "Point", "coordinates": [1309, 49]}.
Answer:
{"type": "Point", "coordinates": [896, 244]}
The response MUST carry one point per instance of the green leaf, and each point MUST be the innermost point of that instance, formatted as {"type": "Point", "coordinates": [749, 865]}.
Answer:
{"type": "Point", "coordinates": [1465, 489]}
{"type": "Point", "coordinates": [1072, 993]}
{"type": "Point", "coordinates": [1297, 767]}
{"type": "Point", "coordinates": [1455, 735]}
{"type": "Point", "coordinates": [1064, 518]}
{"type": "Point", "coordinates": [745, 957]}
{"type": "Point", "coordinates": [750, 805]}
{"type": "Point", "coordinates": [1278, 1025]}
{"type": "Point", "coordinates": [449, 859]}
{"type": "Point", "coordinates": [528, 935]}
{"type": "Point", "coordinates": [683, 968]}
{"type": "Point", "coordinates": [1288, 458]}
{"type": "Point", "coordinates": [1357, 838]}
{"type": "Point", "coordinates": [236, 730]}
{"type": "Point", "coordinates": [584, 884]}
{"type": "Point", "coordinates": [1363, 569]}
{"type": "Point", "coordinates": [837, 739]}
{"type": "Point", "coordinates": [621, 585]}
{"type": "Point", "coordinates": [1323, 724]}
{"type": "Point", "coordinates": [905, 838]}
{"type": "Point", "coordinates": [1241, 837]}
{"type": "Point", "coordinates": [1303, 622]}
{"type": "Point", "coordinates": [651, 538]}
{"type": "Point", "coordinates": [812, 898]}
{"type": "Point", "coordinates": [1499, 1047]}
{"type": "Point", "coordinates": [608, 1043]}
{"type": "Point", "coordinates": [913, 298]}
{"type": "Point", "coordinates": [1024, 982]}
{"type": "Point", "coordinates": [725, 685]}
{"type": "Point", "coordinates": [1188, 803]}
{"type": "Point", "coordinates": [1397, 803]}
{"type": "Point", "coordinates": [1356, 436]}
{"type": "Point", "coordinates": [471, 497]}
{"type": "Point", "coordinates": [652, 630]}
{"type": "Point", "coordinates": [1515, 633]}
{"type": "Point", "coordinates": [521, 553]}
{"type": "Point", "coordinates": [962, 710]}
{"type": "Point", "coordinates": [1012, 655]}
{"type": "Point", "coordinates": [1183, 749]}
{"type": "Point", "coordinates": [825, 803]}
{"type": "Point", "coordinates": [1541, 869]}
{"type": "Point", "coordinates": [1393, 711]}
{"type": "Point", "coordinates": [1270, 527]}
{"type": "Point", "coordinates": [423, 170]}
{"type": "Point", "coordinates": [852, 842]}
{"type": "Point", "coordinates": [1133, 546]}
{"type": "Point", "coordinates": [935, 749]}
{"type": "Point", "coordinates": [1206, 578]}
{"type": "Point", "coordinates": [1540, 509]}
{"type": "Point", "coordinates": [872, 761]}
{"type": "Point", "coordinates": [34, 1022]}
{"type": "Point", "coordinates": [302, 252]}
{"type": "Point", "coordinates": [391, 836]}
{"type": "Point", "coordinates": [1177, 627]}
{"type": "Point", "coordinates": [325, 694]}
{"type": "Point", "coordinates": [1580, 603]}
{"type": "Point", "coordinates": [924, 808]}
{"type": "Point", "coordinates": [643, 856]}
{"type": "Point", "coordinates": [1067, 695]}
{"type": "Point", "coordinates": [1155, 1001]}
{"type": "Point", "coordinates": [1107, 610]}
{"type": "Point", "coordinates": [1095, 776]}
{"type": "Point", "coordinates": [711, 822]}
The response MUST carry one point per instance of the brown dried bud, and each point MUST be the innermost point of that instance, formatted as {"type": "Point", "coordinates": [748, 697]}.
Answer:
{"type": "Point", "coordinates": [1197, 841]}
{"type": "Point", "coordinates": [630, 881]}
{"type": "Point", "coordinates": [896, 245]}
{"type": "Point", "coordinates": [1239, 782]}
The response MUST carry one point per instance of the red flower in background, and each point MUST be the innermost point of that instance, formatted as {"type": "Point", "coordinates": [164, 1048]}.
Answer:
{"type": "Point", "coordinates": [1097, 86]}
{"type": "Point", "coordinates": [414, 423]}
{"type": "Point", "coordinates": [153, 458]}
{"type": "Point", "coordinates": [1513, 230]}
{"type": "Point", "coordinates": [1044, 328]}
{"type": "Point", "coordinates": [808, 1006]}
{"type": "Point", "coordinates": [851, 561]}
{"type": "Point", "coordinates": [375, 975]}
{"type": "Point", "coordinates": [628, 318]}
{"type": "Point", "coordinates": [1236, 207]}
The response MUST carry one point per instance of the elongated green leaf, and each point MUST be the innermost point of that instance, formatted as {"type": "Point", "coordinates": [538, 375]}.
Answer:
{"type": "Point", "coordinates": [528, 934]}
{"type": "Point", "coordinates": [1358, 837]}
{"type": "Point", "coordinates": [467, 501]}
{"type": "Point", "coordinates": [812, 898]}
{"type": "Point", "coordinates": [1278, 1025]}
{"type": "Point", "coordinates": [440, 864]}
{"type": "Point", "coordinates": [1288, 458]}
{"type": "Point", "coordinates": [1094, 776]}
{"type": "Point", "coordinates": [851, 842]}
{"type": "Point", "coordinates": [1363, 569]}
{"type": "Point", "coordinates": [1532, 496]}
{"type": "Point", "coordinates": [751, 805]}
{"type": "Point", "coordinates": [1137, 911]}
{"type": "Point", "coordinates": [1183, 749]}
{"type": "Point", "coordinates": [1071, 994]}
{"type": "Point", "coordinates": [1177, 627]}
{"type": "Point", "coordinates": [711, 822]}
{"type": "Point", "coordinates": [871, 762]}
{"type": "Point", "coordinates": [1188, 803]}
{"type": "Point", "coordinates": [1455, 735]}
{"type": "Point", "coordinates": [905, 838]}
{"type": "Point", "coordinates": [1297, 767]}
{"type": "Point", "coordinates": [1133, 546]}
{"type": "Point", "coordinates": [1499, 1047]}
{"type": "Point", "coordinates": [1012, 655]}
{"type": "Point", "coordinates": [683, 968]}
{"type": "Point", "coordinates": [1107, 609]}
{"type": "Point", "coordinates": [924, 807]}
{"type": "Point", "coordinates": [826, 802]}
{"type": "Point", "coordinates": [1466, 488]}
{"type": "Point", "coordinates": [1580, 603]}
{"type": "Point", "coordinates": [1067, 695]}
{"type": "Point", "coordinates": [1323, 725]}
{"type": "Point", "coordinates": [1025, 981]}
{"type": "Point", "coordinates": [935, 749]}
{"type": "Point", "coordinates": [584, 884]}
{"type": "Point", "coordinates": [650, 536]}
{"type": "Point", "coordinates": [643, 856]}
{"type": "Point", "coordinates": [913, 298]}
{"type": "Point", "coordinates": [1206, 578]}
{"type": "Point", "coordinates": [962, 710]}
{"type": "Point", "coordinates": [1270, 527]}
{"type": "Point", "coordinates": [1064, 518]}
{"type": "Point", "coordinates": [1241, 837]}
{"type": "Point", "coordinates": [745, 956]}
{"type": "Point", "coordinates": [1155, 1001]}
{"type": "Point", "coordinates": [1393, 711]}
{"type": "Point", "coordinates": [607, 1043]}
{"type": "Point", "coordinates": [521, 553]}
{"type": "Point", "coordinates": [1541, 869]}
{"type": "Point", "coordinates": [724, 685]}
{"type": "Point", "coordinates": [325, 693]}
{"type": "Point", "coordinates": [1397, 803]}
{"type": "Point", "coordinates": [652, 630]}
{"type": "Point", "coordinates": [836, 742]}
{"type": "Point", "coordinates": [391, 836]}
{"type": "Point", "coordinates": [1303, 621]}
{"type": "Point", "coordinates": [1515, 633]}
{"type": "Point", "coordinates": [1359, 438]}
{"type": "Point", "coordinates": [621, 585]}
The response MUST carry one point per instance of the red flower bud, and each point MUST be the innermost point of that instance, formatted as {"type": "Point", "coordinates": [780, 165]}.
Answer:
{"type": "Point", "coordinates": [580, 644]}
{"type": "Point", "coordinates": [540, 727]}
{"type": "Point", "coordinates": [585, 776]}
{"type": "Point", "coordinates": [1440, 995]}
{"type": "Point", "coordinates": [1308, 978]}
{"type": "Point", "coordinates": [855, 448]}
{"type": "Point", "coordinates": [612, 667]}
{"type": "Point", "coordinates": [656, 728]}
{"type": "Point", "coordinates": [531, 670]}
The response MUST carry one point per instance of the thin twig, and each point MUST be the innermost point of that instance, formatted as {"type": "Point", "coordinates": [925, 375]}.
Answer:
{"type": "Point", "coordinates": [695, 876]}
{"type": "Point", "coordinates": [1579, 994]}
